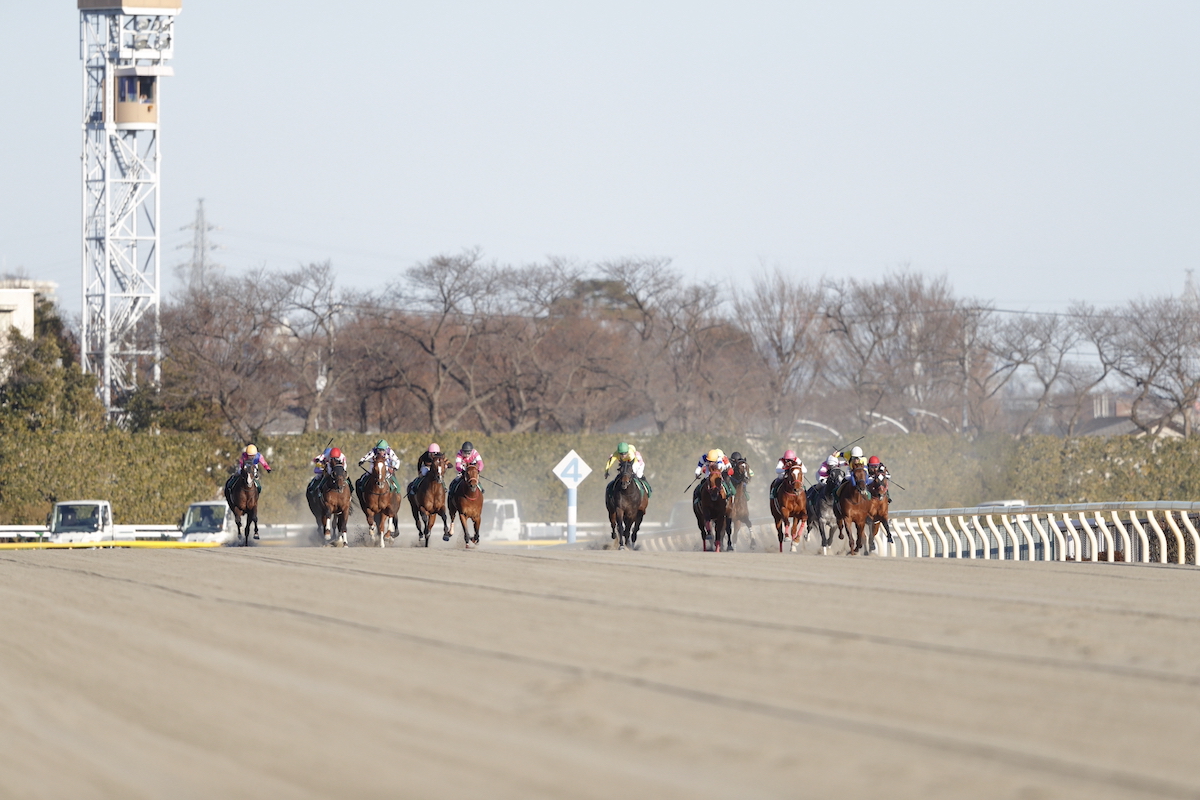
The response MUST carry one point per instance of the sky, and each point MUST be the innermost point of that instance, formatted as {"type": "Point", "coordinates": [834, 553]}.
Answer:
{"type": "Point", "coordinates": [1035, 153]}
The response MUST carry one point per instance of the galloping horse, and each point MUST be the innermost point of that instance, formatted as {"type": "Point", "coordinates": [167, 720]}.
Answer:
{"type": "Point", "coordinates": [330, 501]}
{"type": "Point", "coordinates": [789, 505]}
{"type": "Point", "coordinates": [241, 494]}
{"type": "Point", "coordinates": [428, 500]}
{"type": "Point", "coordinates": [855, 505]}
{"type": "Point", "coordinates": [626, 505]}
{"type": "Point", "coordinates": [713, 510]}
{"type": "Point", "coordinates": [379, 503]}
{"type": "Point", "coordinates": [466, 502]}
{"type": "Point", "coordinates": [878, 509]}
{"type": "Point", "coordinates": [740, 514]}
{"type": "Point", "coordinates": [822, 502]}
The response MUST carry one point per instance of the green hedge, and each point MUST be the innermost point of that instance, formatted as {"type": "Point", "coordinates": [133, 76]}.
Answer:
{"type": "Point", "coordinates": [151, 478]}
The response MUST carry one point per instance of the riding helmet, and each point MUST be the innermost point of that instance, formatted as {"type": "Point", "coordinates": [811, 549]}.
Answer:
{"type": "Point", "coordinates": [790, 455]}
{"type": "Point", "coordinates": [251, 450]}
{"type": "Point", "coordinates": [874, 460]}
{"type": "Point", "coordinates": [434, 448]}
{"type": "Point", "coordinates": [335, 453]}
{"type": "Point", "coordinates": [623, 448]}
{"type": "Point", "coordinates": [381, 444]}
{"type": "Point", "coordinates": [856, 452]}
{"type": "Point", "coordinates": [714, 455]}
{"type": "Point", "coordinates": [466, 448]}
{"type": "Point", "coordinates": [736, 456]}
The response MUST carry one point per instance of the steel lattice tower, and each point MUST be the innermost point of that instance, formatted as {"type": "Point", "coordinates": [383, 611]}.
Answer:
{"type": "Point", "coordinates": [125, 46]}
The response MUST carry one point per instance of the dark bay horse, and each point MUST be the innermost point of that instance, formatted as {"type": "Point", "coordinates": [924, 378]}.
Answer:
{"type": "Point", "coordinates": [466, 502]}
{"type": "Point", "coordinates": [822, 502]}
{"type": "Point", "coordinates": [855, 505]}
{"type": "Point", "coordinates": [241, 493]}
{"type": "Point", "coordinates": [712, 511]}
{"type": "Point", "coordinates": [427, 497]}
{"type": "Point", "coordinates": [379, 503]}
{"type": "Point", "coordinates": [740, 513]}
{"type": "Point", "coordinates": [789, 506]}
{"type": "Point", "coordinates": [330, 501]}
{"type": "Point", "coordinates": [626, 504]}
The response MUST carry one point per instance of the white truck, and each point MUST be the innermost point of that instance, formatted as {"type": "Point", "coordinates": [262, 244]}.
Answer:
{"type": "Point", "coordinates": [208, 521]}
{"type": "Point", "coordinates": [85, 521]}
{"type": "Point", "coordinates": [500, 520]}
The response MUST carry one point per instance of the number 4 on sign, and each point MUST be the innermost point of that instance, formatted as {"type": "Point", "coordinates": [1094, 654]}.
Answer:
{"type": "Point", "coordinates": [572, 470]}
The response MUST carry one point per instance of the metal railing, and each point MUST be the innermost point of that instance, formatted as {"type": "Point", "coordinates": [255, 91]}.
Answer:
{"type": "Point", "coordinates": [1159, 532]}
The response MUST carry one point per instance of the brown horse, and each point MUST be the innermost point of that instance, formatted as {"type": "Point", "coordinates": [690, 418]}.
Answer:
{"type": "Point", "coordinates": [427, 497]}
{"type": "Point", "coordinates": [713, 509]}
{"type": "Point", "coordinates": [466, 502]}
{"type": "Point", "coordinates": [789, 506]}
{"type": "Point", "coordinates": [740, 514]}
{"type": "Point", "coordinates": [626, 504]}
{"type": "Point", "coordinates": [878, 510]}
{"type": "Point", "coordinates": [855, 504]}
{"type": "Point", "coordinates": [379, 503]}
{"type": "Point", "coordinates": [330, 501]}
{"type": "Point", "coordinates": [241, 494]}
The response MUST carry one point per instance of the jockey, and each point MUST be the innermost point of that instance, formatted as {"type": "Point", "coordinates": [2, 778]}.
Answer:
{"type": "Point", "coordinates": [789, 460]}
{"type": "Point", "coordinates": [878, 473]}
{"type": "Point", "coordinates": [251, 456]}
{"type": "Point", "coordinates": [736, 458]}
{"type": "Point", "coordinates": [831, 463]}
{"type": "Point", "coordinates": [427, 458]}
{"type": "Point", "coordinates": [324, 463]}
{"type": "Point", "coordinates": [466, 456]}
{"type": "Point", "coordinates": [424, 464]}
{"type": "Point", "coordinates": [630, 454]}
{"type": "Point", "coordinates": [714, 461]}
{"type": "Point", "coordinates": [848, 458]}
{"type": "Point", "coordinates": [391, 460]}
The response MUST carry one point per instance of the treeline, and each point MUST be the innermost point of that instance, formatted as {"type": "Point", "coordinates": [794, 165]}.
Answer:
{"type": "Point", "coordinates": [635, 344]}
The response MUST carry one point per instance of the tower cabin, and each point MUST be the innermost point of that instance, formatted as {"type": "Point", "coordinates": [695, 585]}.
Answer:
{"type": "Point", "coordinates": [140, 47]}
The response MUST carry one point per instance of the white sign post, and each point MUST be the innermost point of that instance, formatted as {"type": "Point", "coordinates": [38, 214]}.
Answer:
{"type": "Point", "coordinates": [571, 471]}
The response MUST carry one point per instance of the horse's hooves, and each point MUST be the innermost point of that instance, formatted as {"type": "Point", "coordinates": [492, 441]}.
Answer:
{"type": "Point", "coordinates": [840, 536]}
{"type": "Point", "coordinates": [445, 537]}
{"type": "Point", "coordinates": [620, 547]}
{"type": "Point", "coordinates": [793, 547]}
{"type": "Point", "coordinates": [256, 534]}
{"type": "Point", "coordinates": [475, 539]}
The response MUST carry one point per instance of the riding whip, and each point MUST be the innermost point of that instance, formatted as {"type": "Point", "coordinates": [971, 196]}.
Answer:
{"type": "Point", "coordinates": [489, 480]}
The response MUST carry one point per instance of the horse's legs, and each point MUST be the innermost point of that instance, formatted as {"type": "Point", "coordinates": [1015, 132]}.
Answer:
{"type": "Point", "coordinates": [446, 527]}
{"type": "Point", "coordinates": [254, 519]}
{"type": "Point", "coordinates": [637, 526]}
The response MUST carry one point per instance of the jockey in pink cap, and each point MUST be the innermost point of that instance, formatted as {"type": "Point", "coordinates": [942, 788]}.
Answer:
{"type": "Point", "coordinates": [789, 460]}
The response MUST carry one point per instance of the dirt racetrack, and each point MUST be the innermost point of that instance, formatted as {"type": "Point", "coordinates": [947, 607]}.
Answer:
{"type": "Point", "coordinates": [282, 673]}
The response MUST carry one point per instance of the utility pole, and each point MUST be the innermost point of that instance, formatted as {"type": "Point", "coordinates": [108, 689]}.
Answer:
{"type": "Point", "coordinates": [966, 382]}
{"type": "Point", "coordinates": [198, 271]}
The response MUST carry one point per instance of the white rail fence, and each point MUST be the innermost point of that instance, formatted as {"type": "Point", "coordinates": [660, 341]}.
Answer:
{"type": "Point", "coordinates": [1159, 532]}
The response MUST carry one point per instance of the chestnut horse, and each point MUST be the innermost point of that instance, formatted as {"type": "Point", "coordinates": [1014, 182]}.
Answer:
{"type": "Point", "coordinates": [379, 503]}
{"type": "Point", "coordinates": [740, 514]}
{"type": "Point", "coordinates": [878, 510]}
{"type": "Point", "coordinates": [855, 505]}
{"type": "Point", "coordinates": [713, 510]}
{"type": "Point", "coordinates": [466, 502]}
{"type": "Point", "coordinates": [789, 506]}
{"type": "Point", "coordinates": [330, 502]}
{"type": "Point", "coordinates": [241, 494]}
{"type": "Point", "coordinates": [626, 504]}
{"type": "Point", "coordinates": [428, 500]}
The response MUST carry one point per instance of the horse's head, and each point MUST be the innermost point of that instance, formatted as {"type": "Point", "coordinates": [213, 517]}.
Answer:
{"type": "Point", "coordinates": [879, 487]}
{"type": "Point", "coordinates": [379, 465]}
{"type": "Point", "coordinates": [716, 486]}
{"type": "Point", "coordinates": [624, 474]}
{"type": "Point", "coordinates": [860, 476]}
{"type": "Point", "coordinates": [339, 475]}
{"type": "Point", "coordinates": [795, 477]}
{"type": "Point", "coordinates": [471, 476]}
{"type": "Point", "coordinates": [250, 472]}
{"type": "Point", "coordinates": [741, 471]}
{"type": "Point", "coordinates": [438, 464]}
{"type": "Point", "coordinates": [835, 476]}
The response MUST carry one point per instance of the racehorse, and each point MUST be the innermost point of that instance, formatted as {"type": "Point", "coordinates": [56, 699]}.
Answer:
{"type": "Point", "coordinates": [740, 515]}
{"type": "Point", "coordinates": [379, 503]}
{"type": "Point", "coordinates": [789, 505]}
{"type": "Point", "coordinates": [626, 505]}
{"type": "Point", "coordinates": [712, 511]}
{"type": "Point", "coordinates": [878, 510]}
{"type": "Point", "coordinates": [241, 494]}
{"type": "Point", "coordinates": [427, 496]}
{"type": "Point", "coordinates": [465, 502]}
{"type": "Point", "coordinates": [330, 501]}
{"type": "Point", "coordinates": [855, 505]}
{"type": "Point", "coordinates": [822, 505]}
